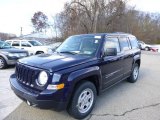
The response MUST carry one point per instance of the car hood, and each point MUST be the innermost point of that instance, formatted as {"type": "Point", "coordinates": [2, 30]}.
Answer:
{"type": "Point", "coordinates": [55, 61]}
{"type": "Point", "coordinates": [13, 50]}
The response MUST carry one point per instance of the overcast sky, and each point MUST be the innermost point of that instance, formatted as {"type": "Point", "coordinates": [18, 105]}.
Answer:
{"type": "Point", "coordinates": [17, 13]}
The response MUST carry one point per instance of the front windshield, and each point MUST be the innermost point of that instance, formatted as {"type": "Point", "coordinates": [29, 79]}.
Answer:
{"type": "Point", "coordinates": [84, 45]}
{"type": "Point", "coordinates": [35, 43]}
{"type": "Point", "coordinates": [4, 45]}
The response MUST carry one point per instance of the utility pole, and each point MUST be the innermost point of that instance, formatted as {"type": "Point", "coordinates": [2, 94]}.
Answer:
{"type": "Point", "coordinates": [21, 32]}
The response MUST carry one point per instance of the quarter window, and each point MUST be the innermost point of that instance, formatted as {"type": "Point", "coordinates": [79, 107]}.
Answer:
{"type": "Point", "coordinates": [112, 43]}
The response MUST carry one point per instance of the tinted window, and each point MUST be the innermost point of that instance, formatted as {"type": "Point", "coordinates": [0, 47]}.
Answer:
{"type": "Point", "coordinates": [4, 45]}
{"type": "Point", "coordinates": [9, 42]}
{"type": "Point", "coordinates": [15, 43]}
{"type": "Point", "coordinates": [35, 43]}
{"type": "Point", "coordinates": [25, 44]}
{"type": "Point", "coordinates": [134, 42]}
{"type": "Point", "coordinates": [112, 43]}
{"type": "Point", "coordinates": [124, 43]}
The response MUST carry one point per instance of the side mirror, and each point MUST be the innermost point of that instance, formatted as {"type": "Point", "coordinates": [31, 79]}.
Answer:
{"type": "Point", "coordinates": [111, 52]}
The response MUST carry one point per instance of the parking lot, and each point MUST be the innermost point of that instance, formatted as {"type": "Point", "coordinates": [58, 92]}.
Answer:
{"type": "Point", "coordinates": [125, 101]}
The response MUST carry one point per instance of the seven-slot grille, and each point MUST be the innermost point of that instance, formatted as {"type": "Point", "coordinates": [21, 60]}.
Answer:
{"type": "Point", "coordinates": [26, 75]}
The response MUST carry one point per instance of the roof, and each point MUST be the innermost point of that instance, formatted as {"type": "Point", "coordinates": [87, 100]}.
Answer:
{"type": "Point", "coordinates": [108, 34]}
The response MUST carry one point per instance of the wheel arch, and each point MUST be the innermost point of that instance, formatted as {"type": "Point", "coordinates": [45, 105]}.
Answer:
{"type": "Point", "coordinates": [92, 74]}
{"type": "Point", "coordinates": [138, 61]}
{"type": "Point", "coordinates": [4, 57]}
{"type": "Point", "coordinates": [39, 51]}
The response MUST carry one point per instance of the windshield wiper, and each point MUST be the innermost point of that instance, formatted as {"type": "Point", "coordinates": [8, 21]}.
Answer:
{"type": "Point", "coordinates": [69, 52]}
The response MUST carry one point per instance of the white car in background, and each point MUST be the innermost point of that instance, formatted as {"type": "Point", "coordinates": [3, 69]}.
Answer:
{"type": "Point", "coordinates": [32, 46]}
{"type": "Point", "coordinates": [54, 46]}
{"type": "Point", "coordinates": [144, 46]}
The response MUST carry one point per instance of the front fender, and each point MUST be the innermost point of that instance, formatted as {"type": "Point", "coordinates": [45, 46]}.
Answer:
{"type": "Point", "coordinates": [4, 56]}
{"type": "Point", "coordinates": [76, 76]}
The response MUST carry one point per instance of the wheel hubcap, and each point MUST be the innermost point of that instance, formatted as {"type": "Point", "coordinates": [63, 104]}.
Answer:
{"type": "Point", "coordinates": [85, 100]}
{"type": "Point", "coordinates": [135, 73]}
{"type": "Point", "coordinates": [1, 63]}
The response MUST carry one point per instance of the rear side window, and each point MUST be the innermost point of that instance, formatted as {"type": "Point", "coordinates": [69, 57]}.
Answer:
{"type": "Point", "coordinates": [15, 43]}
{"type": "Point", "coordinates": [133, 42]}
{"type": "Point", "coordinates": [112, 43]}
{"type": "Point", "coordinates": [124, 43]}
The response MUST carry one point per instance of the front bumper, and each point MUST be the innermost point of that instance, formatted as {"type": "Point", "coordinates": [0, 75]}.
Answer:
{"type": "Point", "coordinates": [36, 99]}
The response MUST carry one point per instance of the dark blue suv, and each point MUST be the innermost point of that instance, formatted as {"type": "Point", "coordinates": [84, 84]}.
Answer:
{"type": "Point", "coordinates": [81, 68]}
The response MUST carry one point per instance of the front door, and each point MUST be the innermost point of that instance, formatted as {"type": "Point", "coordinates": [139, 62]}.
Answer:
{"type": "Point", "coordinates": [112, 66]}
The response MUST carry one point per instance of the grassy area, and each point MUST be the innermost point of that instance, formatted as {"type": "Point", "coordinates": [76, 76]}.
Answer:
{"type": "Point", "coordinates": [158, 42]}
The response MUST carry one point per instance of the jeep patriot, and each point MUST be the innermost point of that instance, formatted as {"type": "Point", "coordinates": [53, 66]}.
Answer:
{"type": "Point", "coordinates": [81, 68]}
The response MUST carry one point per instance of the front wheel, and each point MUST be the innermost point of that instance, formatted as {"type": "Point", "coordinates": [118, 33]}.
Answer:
{"type": "Point", "coordinates": [135, 73]}
{"type": "Point", "coordinates": [83, 100]}
{"type": "Point", "coordinates": [147, 49]}
{"type": "Point", "coordinates": [3, 63]}
{"type": "Point", "coordinates": [39, 52]}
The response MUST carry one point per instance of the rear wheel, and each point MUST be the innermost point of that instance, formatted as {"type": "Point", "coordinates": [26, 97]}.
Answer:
{"type": "Point", "coordinates": [3, 63]}
{"type": "Point", "coordinates": [135, 73]}
{"type": "Point", "coordinates": [83, 100]}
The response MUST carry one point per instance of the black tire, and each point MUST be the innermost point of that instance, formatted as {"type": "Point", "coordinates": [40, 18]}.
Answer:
{"type": "Point", "coordinates": [3, 63]}
{"type": "Point", "coordinates": [39, 52]}
{"type": "Point", "coordinates": [133, 78]}
{"type": "Point", "coordinates": [73, 108]}
{"type": "Point", "coordinates": [147, 48]}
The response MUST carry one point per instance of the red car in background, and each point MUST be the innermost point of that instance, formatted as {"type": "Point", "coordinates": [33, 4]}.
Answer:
{"type": "Point", "coordinates": [154, 48]}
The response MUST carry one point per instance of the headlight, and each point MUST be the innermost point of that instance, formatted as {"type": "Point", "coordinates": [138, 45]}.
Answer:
{"type": "Point", "coordinates": [49, 50]}
{"type": "Point", "coordinates": [17, 54]}
{"type": "Point", "coordinates": [13, 55]}
{"type": "Point", "coordinates": [42, 78]}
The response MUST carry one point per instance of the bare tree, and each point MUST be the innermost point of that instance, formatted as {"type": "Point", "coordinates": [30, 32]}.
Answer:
{"type": "Point", "coordinates": [93, 16]}
{"type": "Point", "coordinates": [39, 21]}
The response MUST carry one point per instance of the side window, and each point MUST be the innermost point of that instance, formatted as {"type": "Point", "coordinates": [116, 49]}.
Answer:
{"type": "Point", "coordinates": [9, 42]}
{"type": "Point", "coordinates": [134, 42]}
{"type": "Point", "coordinates": [124, 43]}
{"type": "Point", "coordinates": [112, 43]}
{"type": "Point", "coordinates": [25, 44]}
{"type": "Point", "coordinates": [16, 43]}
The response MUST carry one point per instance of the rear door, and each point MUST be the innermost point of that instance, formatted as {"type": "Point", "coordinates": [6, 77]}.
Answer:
{"type": "Point", "coordinates": [112, 66]}
{"type": "Point", "coordinates": [25, 45]}
{"type": "Point", "coordinates": [127, 55]}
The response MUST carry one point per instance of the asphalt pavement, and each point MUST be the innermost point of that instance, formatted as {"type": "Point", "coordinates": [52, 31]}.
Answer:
{"type": "Point", "coordinates": [125, 101]}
